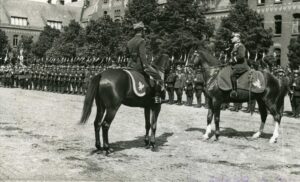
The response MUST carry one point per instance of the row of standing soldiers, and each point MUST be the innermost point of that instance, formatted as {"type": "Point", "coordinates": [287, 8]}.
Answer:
{"type": "Point", "coordinates": [190, 82]}
{"type": "Point", "coordinates": [62, 79]}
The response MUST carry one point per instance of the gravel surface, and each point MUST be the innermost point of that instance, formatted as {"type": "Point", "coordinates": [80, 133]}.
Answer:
{"type": "Point", "coordinates": [41, 140]}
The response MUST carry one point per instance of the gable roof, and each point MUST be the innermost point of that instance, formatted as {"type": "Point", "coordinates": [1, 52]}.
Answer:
{"type": "Point", "coordinates": [38, 13]}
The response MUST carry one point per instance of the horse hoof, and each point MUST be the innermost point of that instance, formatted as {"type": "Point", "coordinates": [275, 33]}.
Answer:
{"type": "Point", "coordinates": [273, 140]}
{"type": "Point", "coordinates": [98, 147]}
{"type": "Point", "coordinates": [205, 137]}
{"type": "Point", "coordinates": [256, 135]}
{"type": "Point", "coordinates": [108, 151]}
{"type": "Point", "coordinates": [154, 149]}
{"type": "Point", "coordinates": [146, 142]}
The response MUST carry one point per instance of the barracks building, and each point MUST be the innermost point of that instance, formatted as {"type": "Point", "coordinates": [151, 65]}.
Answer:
{"type": "Point", "coordinates": [28, 17]}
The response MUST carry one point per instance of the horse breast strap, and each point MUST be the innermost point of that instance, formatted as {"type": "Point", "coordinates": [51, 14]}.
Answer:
{"type": "Point", "coordinates": [139, 83]}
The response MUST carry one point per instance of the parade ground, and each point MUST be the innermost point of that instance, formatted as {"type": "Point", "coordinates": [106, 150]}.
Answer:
{"type": "Point", "coordinates": [41, 140]}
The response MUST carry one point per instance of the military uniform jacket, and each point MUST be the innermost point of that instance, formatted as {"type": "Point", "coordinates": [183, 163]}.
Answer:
{"type": "Point", "coordinates": [238, 57]}
{"type": "Point", "coordinates": [180, 81]}
{"type": "Point", "coordinates": [296, 86]}
{"type": "Point", "coordinates": [170, 81]}
{"type": "Point", "coordinates": [136, 52]}
{"type": "Point", "coordinates": [189, 81]}
{"type": "Point", "coordinates": [199, 81]}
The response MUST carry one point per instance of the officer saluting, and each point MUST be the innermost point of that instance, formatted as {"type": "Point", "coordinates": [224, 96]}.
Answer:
{"type": "Point", "coordinates": [239, 64]}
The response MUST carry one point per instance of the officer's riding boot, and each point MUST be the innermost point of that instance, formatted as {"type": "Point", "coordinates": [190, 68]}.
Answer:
{"type": "Point", "coordinates": [233, 93]}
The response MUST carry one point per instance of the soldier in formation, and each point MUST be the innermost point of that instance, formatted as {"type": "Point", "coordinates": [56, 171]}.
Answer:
{"type": "Point", "coordinates": [199, 85]}
{"type": "Point", "coordinates": [179, 84]}
{"type": "Point", "coordinates": [295, 93]}
{"type": "Point", "coordinates": [189, 87]}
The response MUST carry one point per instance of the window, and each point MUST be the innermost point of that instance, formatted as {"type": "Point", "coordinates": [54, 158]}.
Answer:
{"type": "Point", "coordinates": [117, 13]}
{"type": "Point", "coordinates": [260, 2]}
{"type": "Point", "coordinates": [18, 21]}
{"type": "Point", "coordinates": [296, 24]}
{"type": "Point", "coordinates": [277, 1]}
{"type": "Point", "coordinates": [278, 24]}
{"type": "Point", "coordinates": [55, 24]}
{"type": "Point", "coordinates": [74, 1]}
{"type": "Point", "coordinates": [15, 40]}
{"type": "Point", "coordinates": [105, 1]}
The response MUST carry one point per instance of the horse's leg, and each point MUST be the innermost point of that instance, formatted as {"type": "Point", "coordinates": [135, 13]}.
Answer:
{"type": "Point", "coordinates": [277, 118]}
{"type": "Point", "coordinates": [147, 125]}
{"type": "Point", "coordinates": [217, 112]}
{"type": "Point", "coordinates": [209, 119]}
{"type": "Point", "coordinates": [97, 125]}
{"type": "Point", "coordinates": [110, 115]}
{"type": "Point", "coordinates": [155, 112]}
{"type": "Point", "coordinates": [263, 115]}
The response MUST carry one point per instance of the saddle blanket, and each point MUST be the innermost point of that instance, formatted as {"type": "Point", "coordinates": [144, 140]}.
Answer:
{"type": "Point", "coordinates": [251, 79]}
{"type": "Point", "coordinates": [139, 83]}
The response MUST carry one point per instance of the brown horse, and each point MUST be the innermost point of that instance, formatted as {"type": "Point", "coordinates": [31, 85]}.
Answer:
{"type": "Point", "coordinates": [272, 99]}
{"type": "Point", "coordinates": [110, 89]}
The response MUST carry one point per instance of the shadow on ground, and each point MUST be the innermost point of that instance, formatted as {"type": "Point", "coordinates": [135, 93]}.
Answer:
{"type": "Point", "coordinates": [232, 133]}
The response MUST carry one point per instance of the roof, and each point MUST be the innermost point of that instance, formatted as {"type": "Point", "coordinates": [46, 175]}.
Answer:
{"type": "Point", "coordinates": [91, 10]}
{"type": "Point", "coordinates": [37, 13]}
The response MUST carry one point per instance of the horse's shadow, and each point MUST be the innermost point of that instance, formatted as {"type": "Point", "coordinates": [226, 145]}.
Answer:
{"type": "Point", "coordinates": [232, 133]}
{"type": "Point", "coordinates": [138, 142]}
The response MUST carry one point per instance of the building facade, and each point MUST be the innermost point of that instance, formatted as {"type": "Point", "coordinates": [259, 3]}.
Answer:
{"type": "Point", "coordinates": [29, 17]}
{"type": "Point", "coordinates": [217, 9]}
{"type": "Point", "coordinates": [283, 16]}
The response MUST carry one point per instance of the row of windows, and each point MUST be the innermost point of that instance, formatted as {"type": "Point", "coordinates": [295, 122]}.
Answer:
{"type": "Point", "coordinates": [55, 24]}
{"type": "Point", "coordinates": [106, 1]}
{"type": "Point", "coordinates": [262, 2]}
{"type": "Point", "coordinates": [295, 24]}
{"type": "Point", "coordinates": [21, 21]}
{"type": "Point", "coordinates": [117, 13]}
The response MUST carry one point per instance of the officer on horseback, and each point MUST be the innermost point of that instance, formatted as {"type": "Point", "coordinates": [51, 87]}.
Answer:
{"type": "Point", "coordinates": [239, 64]}
{"type": "Point", "coordinates": [136, 51]}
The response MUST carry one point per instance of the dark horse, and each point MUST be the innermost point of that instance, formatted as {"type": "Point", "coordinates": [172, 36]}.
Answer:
{"type": "Point", "coordinates": [110, 89]}
{"type": "Point", "coordinates": [272, 99]}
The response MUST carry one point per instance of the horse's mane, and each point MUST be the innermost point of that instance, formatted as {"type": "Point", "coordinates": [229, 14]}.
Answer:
{"type": "Point", "coordinates": [207, 57]}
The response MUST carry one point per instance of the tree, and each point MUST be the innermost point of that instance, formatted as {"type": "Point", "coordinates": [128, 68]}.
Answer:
{"type": "Point", "coordinates": [179, 27]}
{"type": "Point", "coordinates": [294, 53]}
{"type": "Point", "coordinates": [66, 44]}
{"type": "Point", "coordinates": [3, 44]}
{"type": "Point", "coordinates": [45, 41]}
{"type": "Point", "coordinates": [101, 38]}
{"type": "Point", "coordinates": [250, 24]}
{"type": "Point", "coordinates": [26, 44]}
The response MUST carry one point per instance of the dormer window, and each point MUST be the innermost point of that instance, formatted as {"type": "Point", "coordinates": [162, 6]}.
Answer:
{"type": "Point", "coordinates": [55, 24]}
{"type": "Point", "coordinates": [20, 21]}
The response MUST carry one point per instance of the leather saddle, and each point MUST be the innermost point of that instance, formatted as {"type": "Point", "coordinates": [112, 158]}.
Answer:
{"type": "Point", "coordinates": [251, 80]}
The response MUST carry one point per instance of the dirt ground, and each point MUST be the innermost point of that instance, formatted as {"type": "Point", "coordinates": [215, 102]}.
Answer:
{"type": "Point", "coordinates": [41, 140]}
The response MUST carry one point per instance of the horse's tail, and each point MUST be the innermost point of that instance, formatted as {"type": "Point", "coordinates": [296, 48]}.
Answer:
{"type": "Point", "coordinates": [89, 98]}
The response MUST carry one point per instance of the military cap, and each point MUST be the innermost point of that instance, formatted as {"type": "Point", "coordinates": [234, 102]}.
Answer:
{"type": "Point", "coordinates": [236, 34]}
{"type": "Point", "coordinates": [139, 25]}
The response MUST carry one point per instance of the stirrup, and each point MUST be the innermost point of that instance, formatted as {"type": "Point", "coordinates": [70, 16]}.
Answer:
{"type": "Point", "coordinates": [233, 94]}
